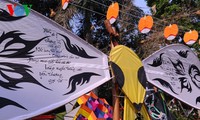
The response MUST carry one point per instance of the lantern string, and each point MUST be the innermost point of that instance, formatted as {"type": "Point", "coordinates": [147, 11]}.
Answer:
{"type": "Point", "coordinates": [75, 4]}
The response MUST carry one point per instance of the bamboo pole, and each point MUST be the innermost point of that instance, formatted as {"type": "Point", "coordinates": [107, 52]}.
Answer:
{"type": "Point", "coordinates": [115, 92]}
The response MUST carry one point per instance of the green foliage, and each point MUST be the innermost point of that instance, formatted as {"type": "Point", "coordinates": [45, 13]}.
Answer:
{"type": "Point", "coordinates": [181, 12]}
{"type": "Point", "coordinates": [171, 10]}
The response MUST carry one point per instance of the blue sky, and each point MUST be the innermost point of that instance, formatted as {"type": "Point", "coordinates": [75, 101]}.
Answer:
{"type": "Point", "coordinates": [142, 5]}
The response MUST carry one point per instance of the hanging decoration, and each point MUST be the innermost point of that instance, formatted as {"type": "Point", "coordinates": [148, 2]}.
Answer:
{"type": "Point", "coordinates": [43, 66]}
{"type": "Point", "coordinates": [171, 31]}
{"type": "Point", "coordinates": [65, 4]}
{"type": "Point", "coordinates": [145, 24]}
{"type": "Point", "coordinates": [175, 69]}
{"type": "Point", "coordinates": [113, 12]}
{"type": "Point", "coordinates": [129, 74]}
{"type": "Point", "coordinates": [190, 37]}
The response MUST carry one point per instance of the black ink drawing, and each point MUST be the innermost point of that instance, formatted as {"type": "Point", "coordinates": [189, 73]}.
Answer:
{"type": "Point", "coordinates": [5, 16]}
{"type": "Point", "coordinates": [74, 49]}
{"type": "Point", "coordinates": [12, 81]}
{"type": "Point", "coordinates": [194, 74]}
{"type": "Point", "coordinates": [6, 102]}
{"type": "Point", "coordinates": [183, 54]}
{"type": "Point", "coordinates": [157, 61]}
{"type": "Point", "coordinates": [79, 79]}
{"type": "Point", "coordinates": [165, 84]}
{"type": "Point", "coordinates": [179, 68]}
{"type": "Point", "coordinates": [198, 99]}
{"type": "Point", "coordinates": [185, 84]}
{"type": "Point", "coordinates": [23, 52]}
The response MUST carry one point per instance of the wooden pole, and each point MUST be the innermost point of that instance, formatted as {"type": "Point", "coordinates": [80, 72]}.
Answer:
{"type": "Point", "coordinates": [115, 92]}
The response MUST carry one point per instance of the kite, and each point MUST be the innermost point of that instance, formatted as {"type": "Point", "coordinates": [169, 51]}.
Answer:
{"type": "Point", "coordinates": [43, 66]}
{"type": "Point", "coordinates": [93, 108]}
{"type": "Point", "coordinates": [175, 69]}
{"type": "Point", "coordinates": [129, 74]}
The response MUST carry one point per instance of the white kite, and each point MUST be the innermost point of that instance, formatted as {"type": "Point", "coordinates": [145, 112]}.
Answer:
{"type": "Point", "coordinates": [176, 70]}
{"type": "Point", "coordinates": [42, 65]}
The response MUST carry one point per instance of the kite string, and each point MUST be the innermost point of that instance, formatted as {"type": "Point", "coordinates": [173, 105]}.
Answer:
{"type": "Point", "coordinates": [105, 15]}
{"type": "Point", "coordinates": [124, 12]}
{"type": "Point", "coordinates": [162, 20]}
{"type": "Point", "coordinates": [137, 16]}
{"type": "Point", "coordinates": [96, 12]}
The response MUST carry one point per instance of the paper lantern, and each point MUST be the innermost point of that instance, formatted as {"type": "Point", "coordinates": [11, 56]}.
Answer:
{"type": "Point", "coordinates": [113, 12]}
{"type": "Point", "coordinates": [65, 4]}
{"type": "Point", "coordinates": [145, 24]}
{"type": "Point", "coordinates": [171, 31]}
{"type": "Point", "coordinates": [190, 37]}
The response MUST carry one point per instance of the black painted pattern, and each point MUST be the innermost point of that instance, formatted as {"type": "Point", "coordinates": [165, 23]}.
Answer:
{"type": "Point", "coordinates": [79, 79]}
{"type": "Point", "coordinates": [74, 49]}
{"type": "Point", "coordinates": [6, 17]}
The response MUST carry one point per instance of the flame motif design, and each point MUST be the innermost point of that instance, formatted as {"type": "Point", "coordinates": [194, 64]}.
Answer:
{"type": "Point", "coordinates": [165, 84]}
{"type": "Point", "coordinates": [74, 49]}
{"type": "Point", "coordinates": [157, 61]}
{"type": "Point", "coordinates": [26, 45]}
{"type": "Point", "coordinates": [197, 99]}
{"type": "Point", "coordinates": [5, 102]}
{"type": "Point", "coordinates": [22, 71]}
{"type": "Point", "coordinates": [185, 84]}
{"type": "Point", "coordinates": [179, 68]}
{"type": "Point", "coordinates": [194, 74]}
{"type": "Point", "coordinates": [183, 54]}
{"type": "Point", "coordinates": [79, 79]}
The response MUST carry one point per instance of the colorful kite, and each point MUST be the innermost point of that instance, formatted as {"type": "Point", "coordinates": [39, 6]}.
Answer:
{"type": "Point", "coordinates": [129, 73]}
{"type": "Point", "coordinates": [93, 108]}
{"type": "Point", "coordinates": [190, 37]}
{"type": "Point", "coordinates": [43, 66]}
{"type": "Point", "coordinates": [113, 12]}
{"type": "Point", "coordinates": [145, 24]}
{"type": "Point", "coordinates": [171, 31]}
{"type": "Point", "coordinates": [176, 70]}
